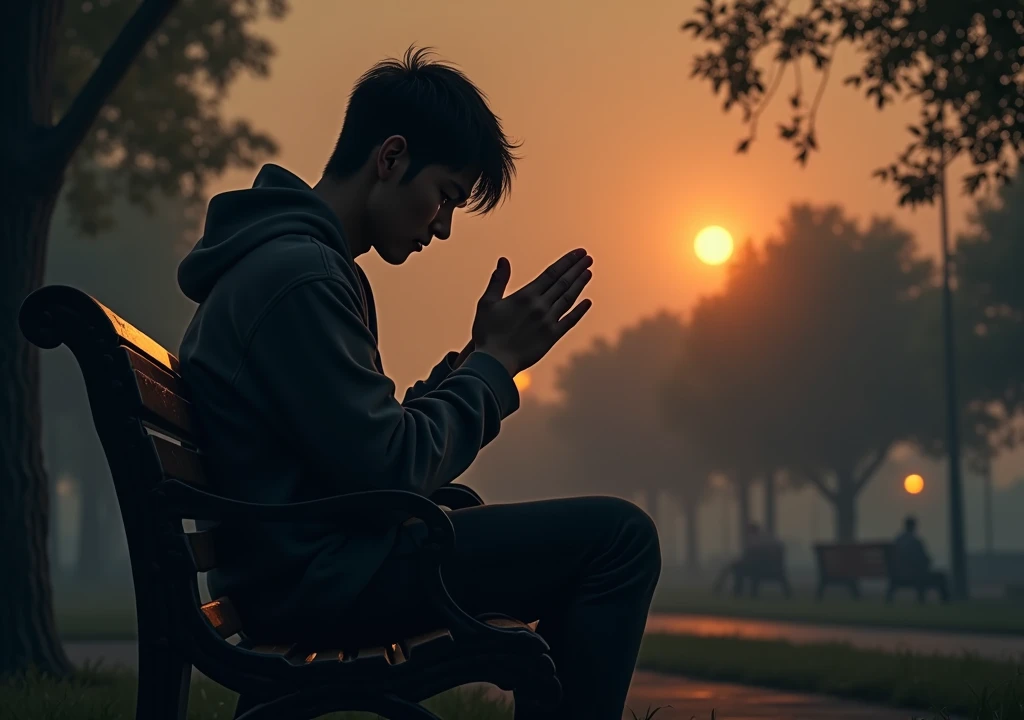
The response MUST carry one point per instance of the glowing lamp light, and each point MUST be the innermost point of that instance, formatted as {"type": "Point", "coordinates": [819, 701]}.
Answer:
{"type": "Point", "coordinates": [913, 484]}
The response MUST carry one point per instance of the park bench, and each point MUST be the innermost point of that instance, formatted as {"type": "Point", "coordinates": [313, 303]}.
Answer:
{"type": "Point", "coordinates": [760, 564]}
{"type": "Point", "coordinates": [141, 410]}
{"type": "Point", "coordinates": [849, 563]}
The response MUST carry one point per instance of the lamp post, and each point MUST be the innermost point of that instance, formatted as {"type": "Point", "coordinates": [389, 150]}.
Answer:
{"type": "Point", "coordinates": [956, 514]}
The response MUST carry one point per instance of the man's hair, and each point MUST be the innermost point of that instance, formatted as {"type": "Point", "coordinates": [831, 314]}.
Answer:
{"type": "Point", "coordinates": [442, 115]}
{"type": "Point", "coordinates": [910, 522]}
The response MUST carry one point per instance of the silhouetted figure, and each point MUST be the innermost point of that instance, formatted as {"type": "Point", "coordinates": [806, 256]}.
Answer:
{"type": "Point", "coordinates": [911, 565]}
{"type": "Point", "coordinates": [763, 559]}
{"type": "Point", "coordinates": [282, 361]}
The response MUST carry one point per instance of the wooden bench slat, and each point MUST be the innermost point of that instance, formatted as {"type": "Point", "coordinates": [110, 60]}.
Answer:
{"type": "Point", "coordinates": [179, 462]}
{"type": "Point", "coordinates": [222, 615]}
{"type": "Point", "coordinates": [204, 553]}
{"type": "Point", "coordinates": [162, 397]}
{"type": "Point", "coordinates": [135, 338]}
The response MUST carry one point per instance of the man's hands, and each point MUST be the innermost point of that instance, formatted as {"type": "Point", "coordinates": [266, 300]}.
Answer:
{"type": "Point", "coordinates": [520, 329]}
{"type": "Point", "coordinates": [470, 346]}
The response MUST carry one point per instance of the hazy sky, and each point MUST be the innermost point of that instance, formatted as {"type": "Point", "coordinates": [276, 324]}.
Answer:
{"type": "Point", "coordinates": [624, 155]}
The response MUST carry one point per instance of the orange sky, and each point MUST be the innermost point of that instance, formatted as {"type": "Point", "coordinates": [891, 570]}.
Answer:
{"type": "Point", "coordinates": [624, 154]}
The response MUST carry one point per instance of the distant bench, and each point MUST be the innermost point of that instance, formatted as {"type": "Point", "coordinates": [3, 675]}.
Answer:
{"type": "Point", "coordinates": [848, 563]}
{"type": "Point", "coordinates": [759, 564]}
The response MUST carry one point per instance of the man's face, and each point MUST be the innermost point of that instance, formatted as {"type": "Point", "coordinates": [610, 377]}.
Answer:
{"type": "Point", "coordinates": [405, 217]}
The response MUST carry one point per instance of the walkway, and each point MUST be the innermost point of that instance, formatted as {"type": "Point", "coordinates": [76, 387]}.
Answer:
{"type": "Point", "coordinates": [995, 647]}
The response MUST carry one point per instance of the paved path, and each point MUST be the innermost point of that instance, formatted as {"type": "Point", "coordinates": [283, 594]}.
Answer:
{"type": "Point", "coordinates": [996, 647]}
{"type": "Point", "coordinates": [679, 698]}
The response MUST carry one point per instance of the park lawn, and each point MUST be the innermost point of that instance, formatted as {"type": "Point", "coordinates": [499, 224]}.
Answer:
{"type": "Point", "coordinates": [978, 616]}
{"type": "Point", "coordinates": [96, 694]}
{"type": "Point", "coordinates": [967, 687]}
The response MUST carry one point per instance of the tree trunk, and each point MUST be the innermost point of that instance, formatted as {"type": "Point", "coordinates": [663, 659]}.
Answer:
{"type": "Point", "coordinates": [692, 511]}
{"type": "Point", "coordinates": [845, 504]}
{"type": "Point", "coordinates": [26, 604]}
{"type": "Point", "coordinates": [769, 504]}
{"type": "Point", "coordinates": [743, 506]}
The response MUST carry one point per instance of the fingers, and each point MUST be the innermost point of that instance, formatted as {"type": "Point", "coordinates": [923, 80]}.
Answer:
{"type": "Point", "coordinates": [499, 281]}
{"type": "Point", "coordinates": [572, 319]}
{"type": "Point", "coordinates": [567, 299]}
{"type": "Point", "coordinates": [566, 281]}
{"type": "Point", "coordinates": [549, 277]}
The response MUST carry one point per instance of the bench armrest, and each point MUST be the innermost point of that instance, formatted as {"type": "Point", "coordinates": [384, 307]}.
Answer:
{"type": "Point", "coordinates": [391, 506]}
{"type": "Point", "coordinates": [456, 496]}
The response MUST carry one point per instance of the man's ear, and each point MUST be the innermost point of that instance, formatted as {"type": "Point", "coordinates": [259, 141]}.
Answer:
{"type": "Point", "coordinates": [392, 157]}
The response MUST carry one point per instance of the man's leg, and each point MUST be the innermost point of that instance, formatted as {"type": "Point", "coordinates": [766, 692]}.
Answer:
{"type": "Point", "coordinates": [585, 567]}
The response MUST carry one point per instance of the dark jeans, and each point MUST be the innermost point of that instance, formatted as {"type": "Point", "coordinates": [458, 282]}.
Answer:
{"type": "Point", "coordinates": [584, 567]}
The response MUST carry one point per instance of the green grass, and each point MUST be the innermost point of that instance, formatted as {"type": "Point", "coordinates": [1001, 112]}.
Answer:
{"type": "Point", "coordinates": [979, 616]}
{"type": "Point", "coordinates": [965, 686]}
{"type": "Point", "coordinates": [95, 694]}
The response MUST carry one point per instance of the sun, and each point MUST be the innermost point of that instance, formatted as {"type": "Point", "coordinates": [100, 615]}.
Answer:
{"type": "Point", "coordinates": [713, 245]}
{"type": "Point", "coordinates": [523, 381]}
{"type": "Point", "coordinates": [913, 484]}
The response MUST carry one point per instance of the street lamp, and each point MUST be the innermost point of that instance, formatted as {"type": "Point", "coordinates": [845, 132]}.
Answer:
{"type": "Point", "coordinates": [956, 513]}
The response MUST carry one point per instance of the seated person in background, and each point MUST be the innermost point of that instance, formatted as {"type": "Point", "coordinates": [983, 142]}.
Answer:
{"type": "Point", "coordinates": [293, 402]}
{"type": "Point", "coordinates": [912, 564]}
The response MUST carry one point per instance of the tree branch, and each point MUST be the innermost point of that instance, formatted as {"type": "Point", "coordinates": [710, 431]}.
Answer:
{"type": "Point", "coordinates": [818, 482]}
{"type": "Point", "coordinates": [869, 470]}
{"type": "Point", "coordinates": [74, 126]}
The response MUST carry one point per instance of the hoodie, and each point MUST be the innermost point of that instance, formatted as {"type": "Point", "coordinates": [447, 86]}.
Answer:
{"type": "Point", "coordinates": [293, 404]}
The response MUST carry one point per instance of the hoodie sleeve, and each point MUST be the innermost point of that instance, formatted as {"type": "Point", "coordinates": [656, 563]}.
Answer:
{"type": "Point", "coordinates": [311, 358]}
{"type": "Point", "coordinates": [442, 370]}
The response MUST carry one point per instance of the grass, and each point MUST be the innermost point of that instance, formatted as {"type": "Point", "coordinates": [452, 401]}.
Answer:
{"type": "Point", "coordinates": [977, 616]}
{"type": "Point", "coordinates": [95, 694]}
{"type": "Point", "coordinates": [964, 686]}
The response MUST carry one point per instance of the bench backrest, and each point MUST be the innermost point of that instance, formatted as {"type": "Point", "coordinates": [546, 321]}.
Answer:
{"type": "Point", "coordinates": [141, 410]}
{"type": "Point", "coordinates": [853, 561]}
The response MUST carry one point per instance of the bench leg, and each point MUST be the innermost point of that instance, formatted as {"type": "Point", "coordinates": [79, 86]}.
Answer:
{"type": "Point", "coordinates": [164, 678]}
{"type": "Point", "coordinates": [245, 704]}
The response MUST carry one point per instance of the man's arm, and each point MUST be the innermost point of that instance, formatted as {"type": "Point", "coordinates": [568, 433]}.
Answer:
{"type": "Point", "coordinates": [312, 359]}
{"type": "Point", "coordinates": [448, 363]}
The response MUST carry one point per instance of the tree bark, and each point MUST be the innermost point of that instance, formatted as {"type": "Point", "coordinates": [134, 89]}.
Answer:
{"type": "Point", "coordinates": [26, 604]}
{"type": "Point", "coordinates": [27, 624]}
{"type": "Point", "coordinates": [845, 504]}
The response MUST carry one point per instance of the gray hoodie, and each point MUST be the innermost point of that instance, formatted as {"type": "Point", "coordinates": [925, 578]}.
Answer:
{"type": "Point", "coordinates": [293, 404]}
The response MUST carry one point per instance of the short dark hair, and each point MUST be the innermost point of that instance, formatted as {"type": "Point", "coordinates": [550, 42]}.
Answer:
{"type": "Point", "coordinates": [442, 115]}
{"type": "Point", "coordinates": [910, 523]}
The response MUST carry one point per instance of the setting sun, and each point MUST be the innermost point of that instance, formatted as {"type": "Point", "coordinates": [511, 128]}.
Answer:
{"type": "Point", "coordinates": [523, 380]}
{"type": "Point", "coordinates": [713, 245]}
{"type": "Point", "coordinates": [913, 484]}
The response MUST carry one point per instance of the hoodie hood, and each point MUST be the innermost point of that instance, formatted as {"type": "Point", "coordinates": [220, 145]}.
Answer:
{"type": "Point", "coordinates": [237, 222]}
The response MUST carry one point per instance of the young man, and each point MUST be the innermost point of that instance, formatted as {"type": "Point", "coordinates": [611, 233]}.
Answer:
{"type": "Point", "coordinates": [282, 361]}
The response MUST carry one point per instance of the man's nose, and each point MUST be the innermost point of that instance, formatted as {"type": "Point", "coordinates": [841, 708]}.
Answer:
{"type": "Point", "coordinates": [441, 228]}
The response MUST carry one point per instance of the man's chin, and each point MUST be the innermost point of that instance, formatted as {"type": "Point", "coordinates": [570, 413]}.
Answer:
{"type": "Point", "coordinates": [393, 257]}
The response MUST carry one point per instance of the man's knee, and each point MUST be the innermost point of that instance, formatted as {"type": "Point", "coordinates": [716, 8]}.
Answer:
{"type": "Point", "coordinates": [641, 532]}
